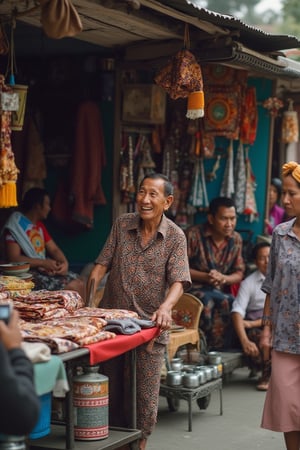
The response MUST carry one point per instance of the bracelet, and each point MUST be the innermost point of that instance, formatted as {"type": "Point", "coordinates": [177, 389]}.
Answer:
{"type": "Point", "coordinates": [266, 320]}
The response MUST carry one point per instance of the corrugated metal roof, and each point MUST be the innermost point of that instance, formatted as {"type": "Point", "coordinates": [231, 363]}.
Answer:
{"type": "Point", "coordinates": [249, 36]}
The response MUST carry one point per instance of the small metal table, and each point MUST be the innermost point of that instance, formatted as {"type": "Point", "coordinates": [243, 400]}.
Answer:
{"type": "Point", "coordinates": [192, 394]}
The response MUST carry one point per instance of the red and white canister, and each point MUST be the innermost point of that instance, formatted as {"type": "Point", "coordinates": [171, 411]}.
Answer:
{"type": "Point", "coordinates": [90, 401]}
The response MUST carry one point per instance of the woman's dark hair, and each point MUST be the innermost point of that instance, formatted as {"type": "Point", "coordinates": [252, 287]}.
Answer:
{"type": "Point", "coordinates": [34, 196]}
{"type": "Point", "coordinates": [168, 186]}
{"type": "Point", "coordinates": [218, 202]}
{"type": "Point", "coordinates": [257, 247]}
{"type": "Point", "coordinates": [276, 182]}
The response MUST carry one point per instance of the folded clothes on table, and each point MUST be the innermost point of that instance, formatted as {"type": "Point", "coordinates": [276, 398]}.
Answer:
{"type": "Point", "coordinates": [128, 326]}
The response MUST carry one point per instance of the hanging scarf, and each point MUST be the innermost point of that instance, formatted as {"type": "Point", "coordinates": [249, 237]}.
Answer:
{"type": "Point", "coordinates": [227, 188]}
{"type": "Point", "coordinates": [250, 202]}
{"type": "Point", "coordinates": [240, 180]}
{"type": "Point", "coordinates": [249, 117]}
{"type": "Point", "coordinates": [198, 197]}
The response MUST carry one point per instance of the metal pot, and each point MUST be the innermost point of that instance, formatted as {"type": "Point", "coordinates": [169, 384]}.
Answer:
{"type": "Point", "coordinates": [176, 364]}
{"type": "Point", "coordinates": [188, 369]}
{"type": "Point", "coordinates": [215, 372]}
{"type": "Point", "coordinates": [191, 380]}
{"type": "Point", "coordinates": [201, 375]}
{"type": "Point", "coordinates": [174, 378]}
{"type": "Point", "coordinates": [214, 358]}
{"type": "Point", "coordinates": [208, 372]}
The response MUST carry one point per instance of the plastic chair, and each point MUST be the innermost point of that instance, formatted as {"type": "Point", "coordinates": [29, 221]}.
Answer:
{"type": "Point", "coordinates": [186, 313]}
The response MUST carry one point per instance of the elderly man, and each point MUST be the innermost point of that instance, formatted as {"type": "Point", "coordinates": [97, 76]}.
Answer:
{"type": "Point", "coordinates": [146, 257]}
{"type": "Point", "coordinates": [216, 265]}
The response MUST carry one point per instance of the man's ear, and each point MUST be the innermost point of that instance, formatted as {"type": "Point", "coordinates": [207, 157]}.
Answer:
{"type": "Point", "coordinates": [169, 201]}
{"type": "Point", "coordinates": [210, 219]}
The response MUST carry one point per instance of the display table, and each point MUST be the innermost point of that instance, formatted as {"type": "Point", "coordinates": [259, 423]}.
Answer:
{"type": "Point", "coordinates": [192, 394]}
{"type": "Point", "coordinates": [62, 437]}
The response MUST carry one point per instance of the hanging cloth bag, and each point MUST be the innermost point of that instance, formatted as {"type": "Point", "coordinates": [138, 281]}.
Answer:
{"type": "Point", "coordinates": [60, 19]}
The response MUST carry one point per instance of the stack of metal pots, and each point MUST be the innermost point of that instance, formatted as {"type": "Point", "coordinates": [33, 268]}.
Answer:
{"type": "Point", "coordinates": [192, 376]}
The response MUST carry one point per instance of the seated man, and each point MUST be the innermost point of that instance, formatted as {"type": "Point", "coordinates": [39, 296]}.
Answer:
{"type": "Point", "coordinates": [247, 311]}
{"type": "Point", "coordinates": [216, 264]}
{"type": "Point", "coordinates": [27, 239]}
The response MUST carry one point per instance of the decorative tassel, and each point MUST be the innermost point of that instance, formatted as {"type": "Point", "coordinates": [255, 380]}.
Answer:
{"type": "Point", "coordinates": [8, 195]}
{"type": "Point", "coordinates": [195, 107]}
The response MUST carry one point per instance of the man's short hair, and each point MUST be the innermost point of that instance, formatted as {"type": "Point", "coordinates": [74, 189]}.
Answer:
{"type": "Point", "coordinates": [257, 247]}
{"type": "Point", "coordinates": [168, 186]}
{"type": "Point", "coordinates": [219, 202]}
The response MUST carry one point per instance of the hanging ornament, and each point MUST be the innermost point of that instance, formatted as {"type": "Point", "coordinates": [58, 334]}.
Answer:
{"type": "Point", "coordinates": [8, 170]}
{"type": "Point", "coordinates": [290, 127]}
{"type": "Point", "coordinates": [19, 90]}
{"type": "Point", "coordinates": [182, 78]}
{"type": "Point", "coordinates": [273, 105]}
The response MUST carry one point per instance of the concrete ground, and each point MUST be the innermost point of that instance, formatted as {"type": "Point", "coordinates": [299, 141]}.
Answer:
{"type": "Point", "coordinates": [237, 429]}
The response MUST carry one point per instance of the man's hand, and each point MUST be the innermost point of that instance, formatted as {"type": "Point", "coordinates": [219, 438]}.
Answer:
{"type": "Point", "coordinates": [163, 318]}
{"type": "Point", "coordinates": [10, 335]}
{"type": "Point", "coordinates": [250, 348]}
{"type": "Point", "coordinates": [265, 342]}
{"type": "Point", "coordinates": [216, 278]}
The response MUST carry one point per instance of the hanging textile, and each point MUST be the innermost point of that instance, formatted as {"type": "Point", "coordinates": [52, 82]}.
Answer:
{"type": "Point", "coordinates": [290, 126]}
{"type": "Point", "coordinates": [220, 75]}
{"type": "Point", "coordinates": [8, 169]}
{"type": "Point", "coordinates": [75, 198]}
{"type": "Point", "coordinates": [198, 196]}
{"type": "Point", "coordinates": [249, 117]}
{"type": "Point", "coordinates": [222, 111]}
{"type": "Point", "coordinates": [240, 178]}
{"type": "Point", "coordinates": [250, 202]}
{"type": "Point", "coordinates": [227, 188]}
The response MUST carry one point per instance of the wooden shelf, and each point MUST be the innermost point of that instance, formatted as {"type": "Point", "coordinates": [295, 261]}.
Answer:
{"type": "Point", "coordinates": [57, 440]}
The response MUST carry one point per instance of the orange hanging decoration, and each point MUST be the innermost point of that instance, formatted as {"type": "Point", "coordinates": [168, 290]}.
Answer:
{"type": "Point", "coordinates": [8, 170]}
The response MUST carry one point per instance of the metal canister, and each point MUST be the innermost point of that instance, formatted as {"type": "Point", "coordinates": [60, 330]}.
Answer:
{"type": "Point", "coordinates": [90, 401]}
{"type": "Point", "coordinates": [9, 442]}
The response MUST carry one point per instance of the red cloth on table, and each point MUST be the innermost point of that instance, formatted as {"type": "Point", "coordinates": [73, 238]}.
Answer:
{"type": "Point", "coordinates": [102, 351]}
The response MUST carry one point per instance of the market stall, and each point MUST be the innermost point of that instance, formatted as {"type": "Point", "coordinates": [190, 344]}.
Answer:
{"type": "Point", "coordinates": [62, 436]}
{"type": "Point", "coordinates": [76, 335]}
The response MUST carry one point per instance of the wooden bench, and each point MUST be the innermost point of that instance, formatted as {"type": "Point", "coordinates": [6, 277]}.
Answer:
{"type": "Point", "coordinates": [232, 360]}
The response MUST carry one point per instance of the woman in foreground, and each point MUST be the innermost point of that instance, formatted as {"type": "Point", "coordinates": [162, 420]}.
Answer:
{"type": "Point", "coordinates": [281, 317]}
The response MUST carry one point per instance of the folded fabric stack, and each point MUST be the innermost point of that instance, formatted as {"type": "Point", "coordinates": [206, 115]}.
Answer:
{"type": "Point", "coordinates": [64, 335]}
{"type": "Point", "coordinates": [15, 286]}
{"type": "Point", "coordinates": [46, 305]}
